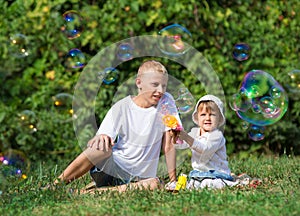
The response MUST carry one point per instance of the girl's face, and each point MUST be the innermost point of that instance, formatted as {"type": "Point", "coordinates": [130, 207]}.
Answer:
{"type": "Point", "coordinates": [208, 117]}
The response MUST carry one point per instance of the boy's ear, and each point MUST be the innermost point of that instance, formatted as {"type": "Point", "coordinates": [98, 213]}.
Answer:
{"type": "Point", "coordinates": [138, 82]}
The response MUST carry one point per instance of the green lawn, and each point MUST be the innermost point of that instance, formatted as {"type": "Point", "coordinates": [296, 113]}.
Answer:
{"type": "Point", "coordinates": [278, 195]}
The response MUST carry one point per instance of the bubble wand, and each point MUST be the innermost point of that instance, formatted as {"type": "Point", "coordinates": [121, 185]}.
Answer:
{"type": "Point", "coordinates": [171, 122]}
{"type": "Point", "coordinates": [167, 107]}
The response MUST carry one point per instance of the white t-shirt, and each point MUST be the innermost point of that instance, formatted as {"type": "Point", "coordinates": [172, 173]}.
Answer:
{"type": "Point", "coordinates": [139, 133]}
{"type": "Point", "coordinates": [208, 151]}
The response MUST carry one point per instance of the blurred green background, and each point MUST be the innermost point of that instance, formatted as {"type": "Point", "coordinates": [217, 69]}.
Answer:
{"type": "Point", "coordinates": [32, 80]}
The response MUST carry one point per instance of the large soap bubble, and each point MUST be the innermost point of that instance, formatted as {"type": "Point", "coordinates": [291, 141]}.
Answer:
{"type": "Point", "coordinates": [88, 85]}
{"type": "Point", "coordinates": [260, 100]}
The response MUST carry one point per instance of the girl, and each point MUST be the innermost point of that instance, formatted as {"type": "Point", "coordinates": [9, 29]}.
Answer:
{"type": "Point", "coordinates": [207, 143]}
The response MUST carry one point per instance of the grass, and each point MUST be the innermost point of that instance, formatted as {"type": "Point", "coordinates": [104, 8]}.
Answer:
{"type": "Point", "coordinates": [278, 195]}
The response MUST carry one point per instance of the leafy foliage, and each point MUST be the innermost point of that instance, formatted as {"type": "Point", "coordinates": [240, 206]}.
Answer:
{"type": "Point", "coordinates": [271, 28]}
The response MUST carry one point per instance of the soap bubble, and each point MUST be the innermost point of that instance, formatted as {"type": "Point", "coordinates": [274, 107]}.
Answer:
{"type": "Point", "coordinates": [261, 100]}
{"type": "Point", "coordinates": [125, 52]}
{"type": "Point", "coordinates": [275, 92]}
{"type": "Point", "coordinates": [73, 25]}
{"type": "Point", "coordinates": [185, 101]}
{"type": "Point", "coordinates": [14, 165]}
{"type": "Point", "coordinates": [268, 106]}
{"type": "Point", "coordinates": [293, 82]}
{"type": "Point", "coordinates": [173, 40]}
{"type": "Point", "coordinates": [256, 133]}
{"type": "Point", "coordinates": [75, 59]}
{"type": "Point", "coordinates": [145, 46]}
{"type": "Point", "coordinates": [167, 105]}
{"type": "Point", "coordinates": [245, 125]}
{"type": "Point", "coordinates": [241, 51]}
{"type": "Point", "coordinates": [63, 106]}
{"type": "Point", "coordinates": [109, 75]}
{"type": "Point", "coordinates": [19, 46]}
{"type": "Point", "coordinates": [28, 121]}
{"type": "Point", "coordinates": [239, 102]}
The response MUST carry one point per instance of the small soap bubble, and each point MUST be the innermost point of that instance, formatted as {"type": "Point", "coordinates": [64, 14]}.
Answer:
{"type": "Point", "coordinates": [73, 24]}
{"type": "Point", "coordinates": [245, 125]}
{"type": "Point", "coordinates": [125, 52]}
{"type": "Point", "coordinates": [275, 92]}
{"type": "Point", "coordinates": [264, 95]}
{"type": "Point", "coordinates": [293, 81]}
{"type": "Point", "coordinates": [256, 133]}
{"type": "Point", "coordinates": [185, 101]}
{"type": "Point", "coordinates": [267, 105]}
{"type": "Point", "coordinates": [62, 103]}
{"type": "Point", "coordinates": [19, 46]}
{"type": "Point", "coordinates": [109, 75]}
{"type": "Point", "coordinates": [175, 40]}
{"type": "Point", "coordinates": [28, 120]}
{"type": "Point", "coordinates": [239, 102]}
{"type": "Point", "coordinates": [241, 51]}
{"type": "Point", "coordinates": [256, 108]}
{"type": "Point", "coordinates": [14, 165]}
{"type": "Point", "coordinates": [75, 59]}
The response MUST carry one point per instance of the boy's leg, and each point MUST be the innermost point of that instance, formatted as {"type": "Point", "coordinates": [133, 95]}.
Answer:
{"type": "Point", "coordinates": [100, 178]}
{"type": "Point", "coordinates": [146, 184]}
{"type": "Point", "coordinates": [82, 164]}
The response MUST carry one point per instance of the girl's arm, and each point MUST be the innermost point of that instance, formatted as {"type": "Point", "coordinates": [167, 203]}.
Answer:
{"type": "Point", "coordinates": [207, 145]}
{"type": "Point", "coordinates": [183, 135]}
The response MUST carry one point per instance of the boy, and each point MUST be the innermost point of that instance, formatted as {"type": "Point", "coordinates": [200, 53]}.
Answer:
{"type": "Point", "coordinates": [133, 122]}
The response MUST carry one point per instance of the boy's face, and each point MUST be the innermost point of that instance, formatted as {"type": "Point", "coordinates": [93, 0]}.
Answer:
{"type": "Point", "coordinates": [152, 86]}
{"type": "Point", "coordinates": [208, 120]}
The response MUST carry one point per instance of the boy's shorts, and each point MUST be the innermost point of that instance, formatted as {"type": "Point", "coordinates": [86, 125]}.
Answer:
{"type": "Point", "coordinates": [103, 179]}
{"type": "Point", "coordinates": [108, 173]}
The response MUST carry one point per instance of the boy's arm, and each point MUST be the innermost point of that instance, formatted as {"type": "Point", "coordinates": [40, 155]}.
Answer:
{"type": "Point", "coordinates": [170, 155]}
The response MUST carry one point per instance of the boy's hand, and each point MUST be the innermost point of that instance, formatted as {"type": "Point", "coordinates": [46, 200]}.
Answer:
{"type": "Point", "coordinates": [102, 142]}
{"type": "Point", "coordinates": [174, 135]}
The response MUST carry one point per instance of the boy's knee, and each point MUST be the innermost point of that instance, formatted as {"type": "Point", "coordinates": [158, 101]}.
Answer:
{"type": "Point", "coordinates": [95, 156]}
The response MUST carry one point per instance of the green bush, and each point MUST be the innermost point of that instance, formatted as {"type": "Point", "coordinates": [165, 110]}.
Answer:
{"type": "Point", "coordinates": [29, 83]}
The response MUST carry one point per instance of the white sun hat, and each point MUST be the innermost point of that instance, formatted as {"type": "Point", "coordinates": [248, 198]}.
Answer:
{"type": "Point", "coordinates": [217, 101]}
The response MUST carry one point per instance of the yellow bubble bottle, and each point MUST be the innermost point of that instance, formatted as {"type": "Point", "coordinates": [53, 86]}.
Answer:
{"type": "Point", "coordinates": [181, 183]}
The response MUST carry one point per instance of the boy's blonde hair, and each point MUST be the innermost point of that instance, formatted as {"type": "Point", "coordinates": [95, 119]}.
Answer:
{"type": "Point", "coordinates": [152, 66]}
